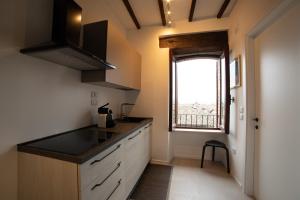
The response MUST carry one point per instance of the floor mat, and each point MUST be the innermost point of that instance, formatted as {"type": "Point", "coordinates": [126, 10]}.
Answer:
{"type": "Point", "coordinates": [154, 183]}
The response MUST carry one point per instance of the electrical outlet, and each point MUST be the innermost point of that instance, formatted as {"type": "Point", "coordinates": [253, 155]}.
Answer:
{"type": "Point", "coordinates": [94, 102]}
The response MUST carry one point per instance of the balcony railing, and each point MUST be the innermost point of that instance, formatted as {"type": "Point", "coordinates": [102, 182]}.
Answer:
{"type": "Point", "coordinates": [196, 121]}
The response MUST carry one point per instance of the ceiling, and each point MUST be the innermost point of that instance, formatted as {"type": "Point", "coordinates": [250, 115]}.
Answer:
{"type": "Point", "coordinates": [147, 11]}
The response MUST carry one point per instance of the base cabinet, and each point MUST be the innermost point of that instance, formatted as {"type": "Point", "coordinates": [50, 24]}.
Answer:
{"type": "Point", "coordinates": [110, 175]}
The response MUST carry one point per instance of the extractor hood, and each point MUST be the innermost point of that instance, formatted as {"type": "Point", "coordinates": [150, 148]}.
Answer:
{"type": "Point", "coordinates": [64, 45]}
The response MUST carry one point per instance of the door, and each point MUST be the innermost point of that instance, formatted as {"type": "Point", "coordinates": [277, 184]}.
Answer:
{"type": "Point", "coordinates": [277, 79]}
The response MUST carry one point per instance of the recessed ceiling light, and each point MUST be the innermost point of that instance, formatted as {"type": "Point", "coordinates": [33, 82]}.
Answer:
{"type": "Point", "coordinates": [168, 12]}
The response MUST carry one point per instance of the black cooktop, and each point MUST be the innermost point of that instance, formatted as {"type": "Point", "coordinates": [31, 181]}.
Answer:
{"type": "Point", "coordinates": [75, 142]}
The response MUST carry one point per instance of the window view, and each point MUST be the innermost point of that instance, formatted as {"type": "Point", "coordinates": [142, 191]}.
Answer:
{"type": "Point", "coordinates": [197, 89]}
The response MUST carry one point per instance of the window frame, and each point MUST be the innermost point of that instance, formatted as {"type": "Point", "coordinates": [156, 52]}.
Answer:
{"type": "Point", "coordinates": [199, 44]}
{"type": "Point", "coordinates": [174, 73]}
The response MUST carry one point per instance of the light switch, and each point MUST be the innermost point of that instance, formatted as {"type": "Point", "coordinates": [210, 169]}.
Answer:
{"type": "Point", "coordinates": [241, 116]}
{"type": "Point", "coordinates": [241, 109]}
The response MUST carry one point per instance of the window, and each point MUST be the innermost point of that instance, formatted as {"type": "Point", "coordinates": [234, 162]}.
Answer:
{"type": "Point", "coordinates": [196, 94]}
{"type": "Point", "coordinates": [199, 80]}
{"type": "Point", "coordinates": [199, 93]}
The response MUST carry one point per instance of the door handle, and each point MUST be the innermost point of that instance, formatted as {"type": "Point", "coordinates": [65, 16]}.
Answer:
{"type": "Point", "coordinates": [256, 119]}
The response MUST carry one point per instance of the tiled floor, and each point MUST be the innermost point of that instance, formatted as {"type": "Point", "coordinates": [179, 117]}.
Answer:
{"type": "Point", "coordinates": [190, 182]}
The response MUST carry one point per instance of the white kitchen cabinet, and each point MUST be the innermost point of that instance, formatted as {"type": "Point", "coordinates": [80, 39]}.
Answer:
{"type": "Point", "coordinates": [136, 155]}
{"type": "Point", "coordinates": [131, 159]}
{"type": "Point", "coordinates": [100, 166]}
{"type": "Point", "coordinates": [147, 143]}
{"type": "Point", "coordinates": [124, 162]}
{"type": "Point", "coordinates": [105, 41]}
{"type": "Point", "coordinates": [110, 175]}
{"type": "Point", "coordinates": [102, 174]}
{"type": "Point", "coordinates": [105, 189]}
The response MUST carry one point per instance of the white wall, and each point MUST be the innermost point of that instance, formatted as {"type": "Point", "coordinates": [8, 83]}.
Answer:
{"type": "Point", "coordinates": [244, 17]}
{"type": "Point", "coordinates": [37, 98]}
{"type": "Point", "coordinates": [277, 55]}
{"type": "Point", "coordinates": [189, 145]}
{"type": "Point", "coordinates": [153, 99]}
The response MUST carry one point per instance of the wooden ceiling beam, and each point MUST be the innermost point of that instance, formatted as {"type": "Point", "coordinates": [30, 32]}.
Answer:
{"type": "Point", "coordinates": [131, 13]}
{"type": "Point", "coordinates": [223, 8]}
{"type": "Point", "coordinates": [162, 12]}
{"type": "Point", "coordinates": [192, 10]}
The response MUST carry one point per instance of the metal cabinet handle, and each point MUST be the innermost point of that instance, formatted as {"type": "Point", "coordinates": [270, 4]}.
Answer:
{"type": "Point", "coordinates": [148, 126]}
{"type": "Point", "coordinates": [115, 188]}
{"type": "Point", "coordinates": [99, 160]}
{"type": "Point", "coordinates": [109, 175]}
{"type": "Point", "coordinates": [134, 136]}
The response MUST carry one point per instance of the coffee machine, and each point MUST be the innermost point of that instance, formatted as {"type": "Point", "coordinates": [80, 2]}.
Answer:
{"type": "Point", "coordinates": [105, 119]}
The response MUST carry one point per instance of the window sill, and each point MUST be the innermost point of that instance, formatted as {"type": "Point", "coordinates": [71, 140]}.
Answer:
{"type": "Point", "coordinates": [196, 130]}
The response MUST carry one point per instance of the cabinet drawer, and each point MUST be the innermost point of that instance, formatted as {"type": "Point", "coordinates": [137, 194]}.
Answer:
{"type": "Point", "coordinates": [99, 166]}
{"type": "Point", "coordinates": [132, 139]}
{"type": "Point", "coordinates": [108, 188]}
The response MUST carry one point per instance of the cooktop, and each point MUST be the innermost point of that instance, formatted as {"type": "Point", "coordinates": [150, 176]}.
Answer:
{"type": "Point", "coordinates": [74, 142]}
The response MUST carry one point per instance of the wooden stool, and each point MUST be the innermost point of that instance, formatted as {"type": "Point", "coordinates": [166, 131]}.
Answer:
{"type": "Point", "coordinates": [214, 144]}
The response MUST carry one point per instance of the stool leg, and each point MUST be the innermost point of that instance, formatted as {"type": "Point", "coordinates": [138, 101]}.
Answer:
{"type": "Point", "coordinates": [213, 153]}
{"type": "Point", "coordinates": [227, 158]}
{"type": "Point", "coordinates": [203, 153]}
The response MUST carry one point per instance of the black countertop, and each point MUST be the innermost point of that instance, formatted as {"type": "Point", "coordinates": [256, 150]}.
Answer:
{"type": "Point", "coordinates": [81, 144]}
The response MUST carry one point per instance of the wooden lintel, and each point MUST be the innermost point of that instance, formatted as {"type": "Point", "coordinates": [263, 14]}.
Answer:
{"type": "Point", "coordinates": [209, 40]}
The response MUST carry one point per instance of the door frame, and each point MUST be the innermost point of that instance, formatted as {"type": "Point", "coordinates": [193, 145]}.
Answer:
{"type": "Point", "coordinates": [250, 92]}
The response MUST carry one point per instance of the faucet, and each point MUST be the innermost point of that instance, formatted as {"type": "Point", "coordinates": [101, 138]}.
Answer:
{"type": "Point", "coordinates": [123, 114]}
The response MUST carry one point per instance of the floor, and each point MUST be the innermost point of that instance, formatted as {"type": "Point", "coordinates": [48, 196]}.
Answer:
{"type": "Point", "coordinates": [154, 183]}
{"type": "Point", "coordinates": [190, 182]}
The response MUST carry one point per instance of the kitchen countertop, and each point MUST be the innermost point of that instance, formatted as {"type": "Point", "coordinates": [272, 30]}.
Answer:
{"type": "Point", "coordinates": [81, 144]}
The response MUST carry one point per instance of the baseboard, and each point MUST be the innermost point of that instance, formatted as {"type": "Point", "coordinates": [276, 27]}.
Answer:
{"type": "Point", "coordinates": [190, 156]}
{"type": "Point", "coordinates": [197, 157]}
{"type": "Point", "coordinates": [160, 162]}
{"type": "Point", "coordinates": [237, 180]}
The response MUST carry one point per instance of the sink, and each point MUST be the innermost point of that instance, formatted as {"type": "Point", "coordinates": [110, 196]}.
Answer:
{"type": "Point", "coordinates": [132, 119]}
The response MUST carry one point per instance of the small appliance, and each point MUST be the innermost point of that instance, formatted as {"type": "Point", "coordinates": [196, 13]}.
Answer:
{"type": "Point", "coordinates": [105, 119]}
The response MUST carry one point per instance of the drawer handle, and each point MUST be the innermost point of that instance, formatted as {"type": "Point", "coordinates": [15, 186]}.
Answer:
{"type": "Point", "coordinates": [109, 175]}
{"type": "Point", "coordinates": [96, 161]}
{"type": "Point", "coordinates": [134, 136]}
{"type": "Point", "coordinates": [115, 188]}
{"type": "Point", "coordinates": [148, 126]}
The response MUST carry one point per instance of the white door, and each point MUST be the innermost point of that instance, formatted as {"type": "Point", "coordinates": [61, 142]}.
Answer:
{"type": "Point", "coordinates": [277, 77]}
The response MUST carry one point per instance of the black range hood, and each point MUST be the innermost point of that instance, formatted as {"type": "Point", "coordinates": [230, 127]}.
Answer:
{"type": "Point", "coordinates": [64, 47]}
